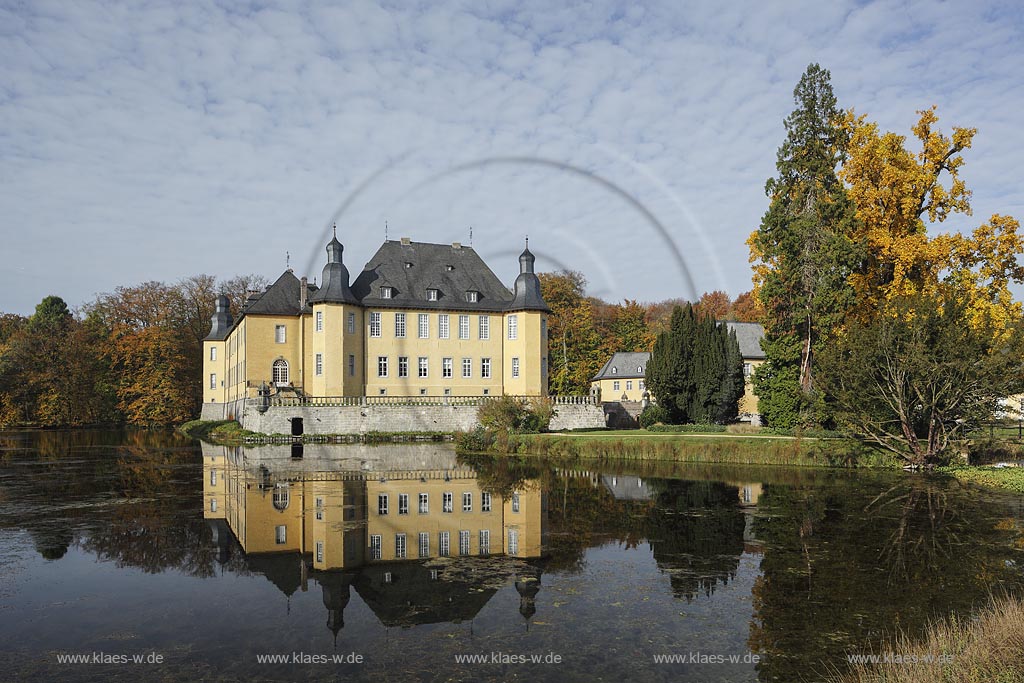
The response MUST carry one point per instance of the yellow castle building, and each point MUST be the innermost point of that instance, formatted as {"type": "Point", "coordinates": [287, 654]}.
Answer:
{"type": "Point", "coordinates": [420, 320]}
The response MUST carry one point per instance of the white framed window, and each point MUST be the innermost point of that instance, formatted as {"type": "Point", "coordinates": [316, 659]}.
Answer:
{"type": "Point", "coordinates": [485, 542]}
{"type": "Point", "coordinates": [446, 367]}
{"type": "Point", "coordinates": [444, 544]}
{"type": "Point", "coordinates": [279, 372]}
{"type": "Point", "coordinates": [515, 502]}
{"type": "Point", "coordinates": [513, 327]}
{"type": "Point", "coordinates": [615, 370]}
{"type": "Point", "coordinates": [382, 366]}
{"type": "Point", "coordinates": [513, 541]}
{"type": "Point", "coordinates": [747, 369]}
{"type": "Point", "coordinates": [213, 380]}
{"type": "Point", "coordinates": [463, 327]}
{"type": "Point", "coordinates": [382, 504]}
{"type": "Point", "coordinates": [640, 369]}
{"type": "Point", "coordinates": [387, 577]}
{"type": "Point", "coordinates": [280, 534]}
{"type": "Point", "coordinates": [351, 365]}
{"type": "Point", "coordinates": [375, 324]}
{"type": "Point", "coordinates": [213, 505]}
{"type": "Point", "coordinates": [442, 326]}
{"type": "Point", "coordinates": [515, 367]}
{"type": "Point", "coordinates": [629, 385]}
{"type": "Point", "coordinates": [483, 327]}
{"type": "Point", "coordinates": [386, 292]}
{"type": "Point", "coordinates": [400, 325]}
{"type": "Point", "coordinates": [472, 297]}
{"type": "Point", "coordinates": [431, 295]}
{"type": "Point", "coordinates": [485, 368]}
{"type": "Point", "coordinates": [319, 551]}
{"type": "Point", "coordinates": [424, 325]}
{"type": "Point", "coordinates": [213, 477]}
{"type": "Point", "coordinates": [282, 497]}
{"type": "Point", "coordinates": [400, 547]}
{"type": "Point", "coordinates": [424, 503]}
{"type": "Point", "coordinates": [424, 544]}
{"type": "Point", "coordinates": [403, 366]}
{"type": "Point", "coordinates": [280, 334]}
{"type": "Point", "coordinates": [351, 323]}
{"type": "Point", "coordinates": [375, 547]}
{"type": "Point", "coordinates": [640, 385]}
{"type": "Point", "coordinates": [467, 502]}
{"type": "Point", "coordinates": [319, 364]}
{"type": "Point", "coordinates": [464, 542]}
{"type": "Point", "coordinates": [467, 367]}
{"type": "Point", "coordinates": [485, 501]}
{"type": "Point", "coordinates": [446, 501]}
{"type": "Point", "coordinates": [319, 508]}
{"type": "Point", "coordinates": [616, 385]}
{"type": "Point", "coordinates": [213, 353]}
{"type": "Point", "coordinates": [403, 503]}
{"type": "Point", "coordinates": [319, 324]}
{"type": "Point", "coordinates": [422, 369]}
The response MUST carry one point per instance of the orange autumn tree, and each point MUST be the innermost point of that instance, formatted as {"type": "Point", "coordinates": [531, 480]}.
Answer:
{"type": "Point", "coordinates": [895, 191]}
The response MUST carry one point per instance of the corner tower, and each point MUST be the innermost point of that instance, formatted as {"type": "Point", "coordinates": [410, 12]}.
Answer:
{"type": "Point", "coordinates": [526, 333]}
{"type": "Point", "coordinates": [337, 340]}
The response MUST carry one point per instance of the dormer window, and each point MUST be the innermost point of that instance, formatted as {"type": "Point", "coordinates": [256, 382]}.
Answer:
{"type": "Point", "coordinates": [615, 371]}
{"type": "Point", "coordinates": [472, 297]}
{"type": "Point", "coordinates": [386, 292]}
{"type": "Point", "coordinates": [408, 264]}
{"type": "Point", "coordinates": [640, 369]}
{"type": "Point", "coordinates": [431, 295]}
{"type": "Point", "coordinates": [449, 268]}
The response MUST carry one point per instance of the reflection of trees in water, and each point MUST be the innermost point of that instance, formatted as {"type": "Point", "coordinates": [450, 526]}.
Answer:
{"type": "Point", "coordinates": [132, 497]}
{"type": "Point", "coordinates": [845, 568]}
{"type": "Point", "coordinates": [696, 534]}
{"type": "Point", "coordinates": [695, 528]}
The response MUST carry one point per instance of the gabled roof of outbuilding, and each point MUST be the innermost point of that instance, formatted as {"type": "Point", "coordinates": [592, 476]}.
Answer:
{"type": "Point", "coordinates": [749, 336]}
{"type": "Point", "coordinates": [624, 365]}
{"type": "Point", "coordinates": [429, 269]}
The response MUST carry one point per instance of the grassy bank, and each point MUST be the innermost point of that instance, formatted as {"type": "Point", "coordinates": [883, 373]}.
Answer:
{"type": "Point", "coordinates": [712, 448]}
{"type": "Point", "coordinates": [1008, 478]}
{"type": "Point", "coordinates": [227, 432]}
{"type": "Point", "coordinates": [986, 649]}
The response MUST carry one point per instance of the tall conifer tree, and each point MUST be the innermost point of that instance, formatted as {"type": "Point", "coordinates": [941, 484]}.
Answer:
{"type": "Point", "coordinates": [803, 255]}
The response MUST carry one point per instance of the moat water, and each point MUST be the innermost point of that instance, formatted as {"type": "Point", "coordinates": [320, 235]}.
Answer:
{"type": "Point", "coordinates": [406, 562]}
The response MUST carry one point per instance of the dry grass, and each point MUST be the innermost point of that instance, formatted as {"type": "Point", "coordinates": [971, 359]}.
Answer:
{"type": "Point", "coordinates": [986, 649]}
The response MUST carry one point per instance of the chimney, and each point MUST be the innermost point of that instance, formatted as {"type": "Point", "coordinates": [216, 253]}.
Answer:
{"type": "Point", "coordinates": [406, 241]}
{"type": "Point", "coordinates": [456, 245]}
{"type": "Point", "coordinates": [303, 293]}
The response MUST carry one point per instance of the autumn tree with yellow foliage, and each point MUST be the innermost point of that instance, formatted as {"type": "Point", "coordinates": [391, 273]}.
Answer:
{"type": "Point", "coordinates": [930, 348]}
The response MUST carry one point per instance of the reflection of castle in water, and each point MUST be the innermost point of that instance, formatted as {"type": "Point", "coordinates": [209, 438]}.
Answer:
{"type": "Point", "coordinates": [410, 535]}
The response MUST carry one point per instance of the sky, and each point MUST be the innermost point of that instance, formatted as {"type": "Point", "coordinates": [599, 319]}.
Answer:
{"type": "Point", "coordinates": [628, 141]}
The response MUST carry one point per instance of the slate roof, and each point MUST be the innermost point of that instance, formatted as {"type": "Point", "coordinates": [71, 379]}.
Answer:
{"type": "Point", "coordinates": [280, 298]}
{"type": "Point", "coordinates": [413, 267]}
{"type": "Point", "coordinates": [625, 365]}
{"type": "Point", "coordinates": [749, 336]}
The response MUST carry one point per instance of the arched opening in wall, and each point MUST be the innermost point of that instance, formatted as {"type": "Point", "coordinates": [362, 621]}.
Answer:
{"type": "Point", "coordinates": [282, 496]}
{"type": "Point", "coordinates": [280, 373]}
{"type": "Point", "coordinates": [296, 426]}
{"type": "Point", "coordinates": [297, 449]}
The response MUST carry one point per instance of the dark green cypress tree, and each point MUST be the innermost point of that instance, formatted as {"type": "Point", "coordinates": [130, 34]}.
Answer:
{"type": "Point", "coordinates": [803, 255]}
{"type": "Point", "coordinates": [732, 385]}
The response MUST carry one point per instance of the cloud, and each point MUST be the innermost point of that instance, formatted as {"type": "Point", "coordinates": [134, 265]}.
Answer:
{"type": "Point", "coordinates": [157, 141]}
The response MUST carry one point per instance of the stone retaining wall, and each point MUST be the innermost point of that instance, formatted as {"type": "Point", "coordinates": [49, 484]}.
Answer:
{"type": "Point", "coordinates": [382, 418]}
